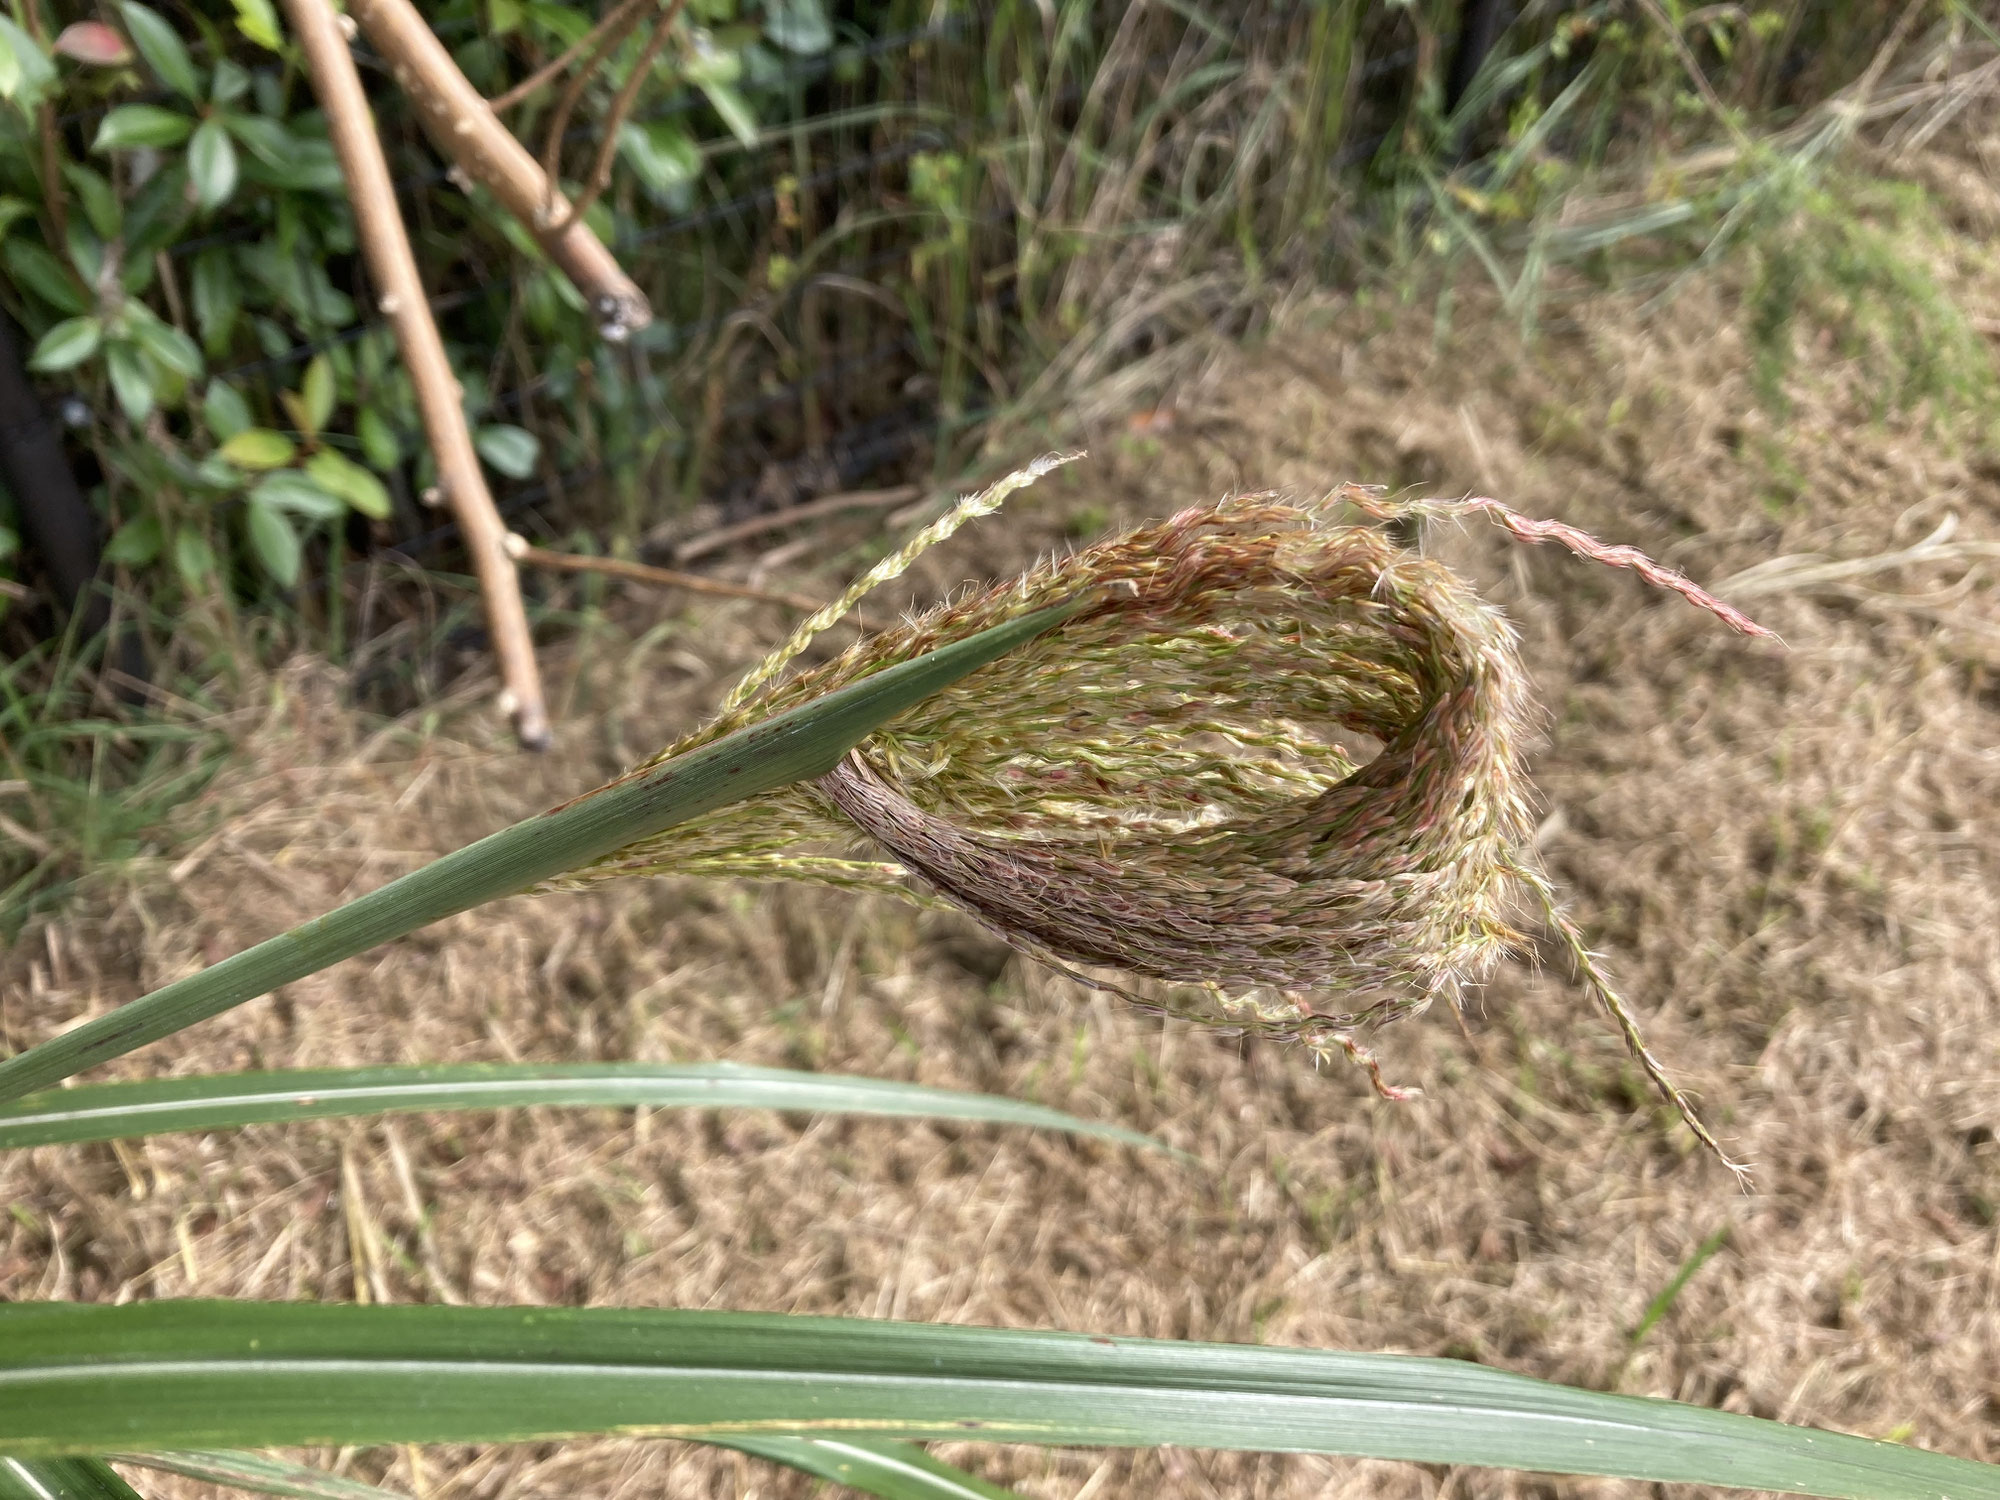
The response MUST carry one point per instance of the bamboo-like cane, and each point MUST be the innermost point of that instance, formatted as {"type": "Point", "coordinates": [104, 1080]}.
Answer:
{"type": "Point", "coordinates": [464, 127]}
{"type": "Point", "coordinates": [386, 244]}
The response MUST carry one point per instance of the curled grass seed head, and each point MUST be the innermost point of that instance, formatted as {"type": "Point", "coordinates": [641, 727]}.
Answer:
{"type": "Point", "coordinates": [1177, 782]}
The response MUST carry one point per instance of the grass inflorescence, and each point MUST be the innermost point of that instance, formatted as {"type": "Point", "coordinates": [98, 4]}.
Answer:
{"type": "Point", "coordinates": [1273, 764]}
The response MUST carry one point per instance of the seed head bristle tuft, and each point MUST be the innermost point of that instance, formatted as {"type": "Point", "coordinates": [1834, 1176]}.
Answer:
{"type": "Point", "coordinates": [1273, 765]}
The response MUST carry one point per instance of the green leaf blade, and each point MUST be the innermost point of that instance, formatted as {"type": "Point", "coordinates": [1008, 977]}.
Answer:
{"type": "Point", "coordinates": [255, 1471]}
{"type": "Point", "coordinates": [111, 1111]}
{"type": "Point", "coordinates": [887, 1470]}
{"type": "Point", "coordinates": [61, 1479]}
{"type": "Point", "coordinates": [81, 1378]}
{"type": "Point", "coordinates": [799, 743]}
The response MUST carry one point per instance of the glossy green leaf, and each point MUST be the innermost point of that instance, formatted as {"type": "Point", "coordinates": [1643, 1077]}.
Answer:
{"type": "Point", "coordinates": [156, 216]}
{"type": "Point", "coordinates": [266, 139]}
{"type": "Point", "coordinates": [256, 1472]}
{"type": "Point", "coordinates": [162, 47]}
{"type": "Point", "coordinates": [61, 1479]}
{"type": "Point", "coordinates": [194, 560]}
{"type": "Point", "coordinates": [510, 450]}
{"type": "Point", "coordinates": [132, 380]}
{"type": "Point", "coordinates": [212, 164]}
{"type": "Point", "coordinates": [318, 392]}
{"type": "Point", "coordinates": [379, 444]}
{"type": "Point", "coordinates": [10, 67]}
{"type": "Point", "coordinates": [258, 20]}
{"type": "Point", "coordinates": [224, 411]}
{"type": "Point", "coordinates": [231, 82]}
{"type": "Point", "coordinates": [35, 268]}
{"type": "Point", "coordinates": [25, 69]}
{"type": "Point", "coordinates": [801, 742]}
{"type": "Point", "coordinates": [258, 448]}
{"type": "Point", "coordinates": [165, 343]}
{"type": "Point", "coordinates": [99, 199]}
{"type": "Point", "coordinates": [67, 345]}
{"type": "Point", "coordinates": [662, 154]}
{"type": "Point", "coordinates": [218, 298]}
{"type": "Point", "coordinates": [137, 542]}
{"type": "Point", "coordinates": [299, 494]}
{"type": "Point", "coordinates": [107, 1111]}
{"type": "Point", "coordinates": [889, 1470]}
{"type": "Point", "coordinates": [86, 251]}
{"type": "Point", "coordinates": [273, 541]}
{"type": "Point", "coordinates": [339, 475]}
{"type": "Point", "coordinates": [798, 26]}
{"type": "Point", "coordinates": [132, 125]}
{"type": "Point", "coordinates": [82, 1378]}
{"type": "Point", "coordinates": [734, 110]}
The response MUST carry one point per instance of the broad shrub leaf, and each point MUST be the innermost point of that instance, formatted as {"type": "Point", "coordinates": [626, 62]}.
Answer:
{"type": "Point", "coordinates": [341, 476]}
{"type": "Point", "coordinates": [132, 125]}
{"type": "Point", "coordinates": [274, 542]}
{"type": "Point", "coordinates": [132, 380]}
{"type": "Point", "coordinates": [510, 450]}
{"type": "Point", "coordinates": [299, 493]}
{"type": "Point", "coordinates": [162, 48]}
{"type": "Point", "coordinates": [67, 345]}
{"type": "Point", "coordinates": [212, 164]}
{"type": "Point", "coordinates": [258, 448]}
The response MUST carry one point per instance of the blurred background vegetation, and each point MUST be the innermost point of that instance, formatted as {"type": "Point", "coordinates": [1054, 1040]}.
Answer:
{"type": "Point", "coordinates": [885, 242]}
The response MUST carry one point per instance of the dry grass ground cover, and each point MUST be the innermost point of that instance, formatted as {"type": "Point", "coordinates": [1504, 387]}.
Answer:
{"type": "Point", "coordinates": [1792, 861]}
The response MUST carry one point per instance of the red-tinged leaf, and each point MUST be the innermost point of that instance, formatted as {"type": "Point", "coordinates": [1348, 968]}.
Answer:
{"type": "Point", "coordinates": [94, 43]}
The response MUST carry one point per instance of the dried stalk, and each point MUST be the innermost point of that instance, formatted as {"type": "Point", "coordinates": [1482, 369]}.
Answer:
{"type": "Point", "coordinates": [616, 19]}
{"type": "Point", "coordinates": [386, 245]}
{"type": "Point", "coordinates": [621, 108]}
{"type": "Point", "coordinates": [531, 556]}
{"type": "Point", "coordinates": [463, 126]}
{"type": "Point", "coordinates": [572, 95]}
{"type": "Point", "coordinates": [791, 515]}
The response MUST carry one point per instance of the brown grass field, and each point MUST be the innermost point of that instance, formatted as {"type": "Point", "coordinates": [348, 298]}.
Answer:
{"type": "Point", "coordinates": [1790, 858]}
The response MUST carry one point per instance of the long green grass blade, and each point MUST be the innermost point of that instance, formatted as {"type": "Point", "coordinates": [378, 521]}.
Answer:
{"type": "Point", "coordinates": [61, 1479]}
{"type": "Point", "coordinates": [109, 1111]}
{"type": "Point", "coordinates": [83, 1379]}
{"type": "Point", "coordinates": [890, 1471]}
{"type": "Point", "coordinates": [260, 1474]}
{"type": "Point", "coordinates": [792, 746]}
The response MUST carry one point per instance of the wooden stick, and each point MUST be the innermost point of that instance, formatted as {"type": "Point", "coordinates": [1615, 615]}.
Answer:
{"type": "Point", "coordinates": [812, 510]}
{"type": "Point", "coordinates": [463, 126]}
{"type": "Point", "coordinates": [386, 246]}
{"type": "Point", "coordinates": [519, 548]}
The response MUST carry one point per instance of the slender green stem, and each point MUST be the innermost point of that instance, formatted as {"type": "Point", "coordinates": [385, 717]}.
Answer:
{"type": "Point", "coordinates": [802, 742]}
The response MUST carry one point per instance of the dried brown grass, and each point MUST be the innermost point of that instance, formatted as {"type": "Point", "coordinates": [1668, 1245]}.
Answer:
{"type": "Point", "coordinates": [1794, 859]}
